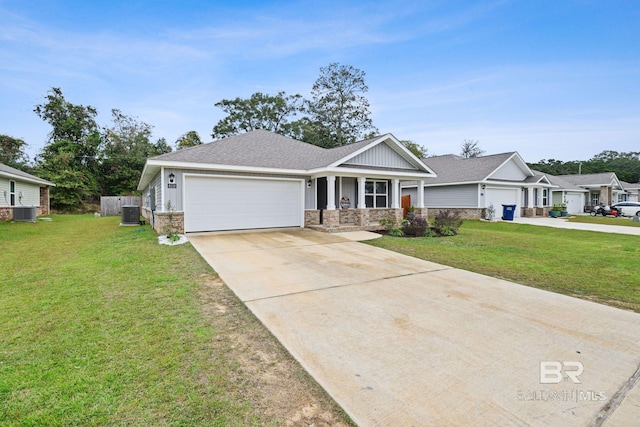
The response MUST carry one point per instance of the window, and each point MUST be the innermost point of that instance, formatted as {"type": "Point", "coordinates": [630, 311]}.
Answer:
{"type": "Point", "coordinates": [12, 193]}
{"type": "Point", "coordinates": [545, 198]}
{"type": "Point", "coordinates": [375, 194]}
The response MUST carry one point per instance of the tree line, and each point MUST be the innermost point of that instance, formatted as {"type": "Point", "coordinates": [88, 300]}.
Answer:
{"type": "Point", "coordinates": [86, 160]}
{"type": "Point", "coordinates": [625, 165]}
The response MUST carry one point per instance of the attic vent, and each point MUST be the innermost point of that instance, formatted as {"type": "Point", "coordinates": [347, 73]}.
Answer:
{"type": "Point", "coordinates": [24, 213]}
{"type": "Point", "coordinates": [130, 215]}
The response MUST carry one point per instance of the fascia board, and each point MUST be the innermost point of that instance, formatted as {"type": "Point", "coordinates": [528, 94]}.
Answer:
{"type": "Point", "coordinates": [220, 167]}
{"type": "Point", "coordinates": [345, 171]}
{"type": "Point", "coordinates": [34, 180]}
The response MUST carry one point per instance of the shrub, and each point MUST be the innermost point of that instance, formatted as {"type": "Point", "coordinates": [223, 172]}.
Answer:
{"type": "Point", "coordinates": [447, 222]}
{"type": "Point", "coordinates": [392, 225]}
{"type": "Point", "coordinates": [415, 226]}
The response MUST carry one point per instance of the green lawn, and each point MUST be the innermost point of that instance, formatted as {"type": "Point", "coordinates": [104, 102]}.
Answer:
{"type": "Point", "coordinates": [590, 265]}
{"type": "Point", "coordinates": [103, 326]}
{"type": "Point", "coordinates": [607, 220]}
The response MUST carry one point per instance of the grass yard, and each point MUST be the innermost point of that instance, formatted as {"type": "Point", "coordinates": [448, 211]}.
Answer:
{"type": "Point", "coordinates": [103, 326]}
{"type": "Point", "coordinates": [590, 265]}
{"type": "Point", "coordinates": [607, 220]}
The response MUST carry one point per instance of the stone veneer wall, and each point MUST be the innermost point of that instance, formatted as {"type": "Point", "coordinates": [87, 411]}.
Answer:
{"type": "Point", "coordinates": [465, 213]}
{"type": "Point", "coordinates": [348, 216]}
{"type": "Point", "coordinates": [377, 214]}
{"type": "Point", "coordinates": [161, 220]}
{"type": "Point", "coordinates": [311, 217]}
{"type": "Point", "coordinates": [6, 214]}
{"type": "Point", "coordinates": [44, 208]}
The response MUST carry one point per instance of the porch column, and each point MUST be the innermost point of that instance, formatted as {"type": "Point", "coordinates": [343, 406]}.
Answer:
{"type": "Point", "coordinates": [395, 195]}
{"type": "Point", "coordinates": [420, 202]}
{"type": "Point", "coordinates": [530, 198]}
{"type": "Point", "coordinates": [331, 193]}
{"type": "Point", "coordinates": [361, 202]}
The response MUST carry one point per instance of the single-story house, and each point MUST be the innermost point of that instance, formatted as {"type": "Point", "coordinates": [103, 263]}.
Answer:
{"type": "Point", "coordinates": [602, 188]}
{"type": "Point", "coordinates": [264, 180]}
{"type": "Point", "coordinates": [632, 192]}
{"type": "Point", "coordinates": [564, 192]}
{"type": "Point", "coordinates": [470, 185]}
{"type": "Point", "coordinates": [18, 188]}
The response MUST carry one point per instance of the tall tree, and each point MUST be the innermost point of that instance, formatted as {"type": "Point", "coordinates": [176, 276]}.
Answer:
{"type": "Point", "coordinates": [470, 148]}
{"type": "Point", "coordinates": [418, 150]}
{"type": "Point", "coordinates": [260, 111]}
{"type": "Point", "coordinates": [338, 112]}
{"type": "Point", "coordinates": [189, 139]}
{"type": "Point", "coordinates": [69, 158]}
{"type": "Point", "coordinates": [12, 152]}
{"type": "Point", "coordinates": [127, 144]}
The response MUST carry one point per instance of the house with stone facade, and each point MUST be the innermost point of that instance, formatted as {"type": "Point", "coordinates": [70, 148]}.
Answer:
{"type": "Point", "coordinates": [18, 188]}
{"type": "Point", "coordinates": [603, 188]}
{"type": "Point", "coordinates": [470, 185]}
{"type": "Point", "coordinates": [262, 179]}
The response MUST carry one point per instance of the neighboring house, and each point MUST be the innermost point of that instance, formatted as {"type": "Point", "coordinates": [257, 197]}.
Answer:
{"type": "Point", "coordinates": [470, 185]}
{"type": "Point", "coordinates": [632, 191]}
{"type": "Point", "coordinates": [262, 180]}
{"type": "Point", "coordinates": [601, 187]}
{"type": "Point", "coordinates": [19, 188]}
{"type": "Point", "coordinates": [564, 192]}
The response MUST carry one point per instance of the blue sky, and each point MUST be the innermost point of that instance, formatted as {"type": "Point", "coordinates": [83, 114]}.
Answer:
{"type": "Point", "coordinates": [549, 79]}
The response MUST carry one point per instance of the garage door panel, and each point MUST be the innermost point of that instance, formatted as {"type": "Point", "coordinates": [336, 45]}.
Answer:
{"type": "Point", "coordinates": [215, 203]}
{"type": "Point", "coordinates": [502, 196]}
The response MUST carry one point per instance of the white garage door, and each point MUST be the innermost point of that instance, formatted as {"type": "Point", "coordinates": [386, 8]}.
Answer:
{"type": "Point", "coordinates": [574, 203]}
{"type": "Point", "coordinates": [220, 203]}
{"type": "Point", "coordinates": [502, 196]}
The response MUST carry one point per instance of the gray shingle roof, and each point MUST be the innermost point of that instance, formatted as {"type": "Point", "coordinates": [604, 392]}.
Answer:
{"type": "Point", "coordinates": [4, 169]}
{"type": "Point", "coordinates": [263, 149]}
{"type": "Point", "coordinates": [630, 186]}
{"type": "Point", "coordinates": [604, 178]}
{"type": "Point", "coordinates": [560, 182]}
{"type": "Point", "coordinates": [451, 168]}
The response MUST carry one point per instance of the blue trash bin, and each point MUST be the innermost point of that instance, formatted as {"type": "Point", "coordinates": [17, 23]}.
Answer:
{"type": "Point", "coordinates": [508, 212]}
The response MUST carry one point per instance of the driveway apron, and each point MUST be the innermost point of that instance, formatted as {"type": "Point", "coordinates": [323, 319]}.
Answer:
{"type": "Point", "coordinates": [400, 341]}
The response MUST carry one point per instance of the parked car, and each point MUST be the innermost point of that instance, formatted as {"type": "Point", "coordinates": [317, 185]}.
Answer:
{"type": "Point", "coordinates": [628, 208]}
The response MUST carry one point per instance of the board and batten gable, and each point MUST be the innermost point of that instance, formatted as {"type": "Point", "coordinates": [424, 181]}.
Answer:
{"type": "Point", "coordinates": [510, 171]}
{"type": "Point", "coordinates": [30, 193]}
{"type": "Point", "coordinates": [381, 155]}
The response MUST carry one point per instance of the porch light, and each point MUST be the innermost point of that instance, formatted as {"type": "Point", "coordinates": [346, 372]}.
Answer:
{"type": "Point", "coordinates": [309, 184]}
{"type": "Point", "coordinates": [172, 178]}
{"type": "Point", "coordinates": [483, 186]}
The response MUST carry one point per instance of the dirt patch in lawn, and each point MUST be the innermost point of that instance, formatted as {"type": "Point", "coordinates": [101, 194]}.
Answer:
{"type": "Point", "coordinates": [264, 375]}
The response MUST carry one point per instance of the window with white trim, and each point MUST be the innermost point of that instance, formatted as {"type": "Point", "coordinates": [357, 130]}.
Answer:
{"type": "Point", "coordinates": [376, 194]}
{"type": "Point", "coordinates": [545, 197]}
{"type": "Point", "coordinates": [12, 193]}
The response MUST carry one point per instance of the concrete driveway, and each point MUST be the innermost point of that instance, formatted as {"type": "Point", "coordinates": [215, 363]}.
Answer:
{"type": "Point", "coordinates": [397, 341]}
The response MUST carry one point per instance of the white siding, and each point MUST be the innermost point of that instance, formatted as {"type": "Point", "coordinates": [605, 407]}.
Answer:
{"type": "Point", "coordinates": [30, 193]}
{"type": "Point", "coordinates": [453, 196]}
{"type": "Point", "coordinates": [381, 155]}
{"type": "Point", "coordinates": [509, 171]}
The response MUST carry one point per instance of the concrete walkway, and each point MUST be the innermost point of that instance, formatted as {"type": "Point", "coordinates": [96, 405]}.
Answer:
{"type": "Point", "coordinates": [398, 341]}
{"type": "Point", "coordinates": [563, 223]}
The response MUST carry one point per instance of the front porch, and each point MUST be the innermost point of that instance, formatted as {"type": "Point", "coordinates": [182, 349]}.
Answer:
{"type": "Point", "coordinates": [347, 219]}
